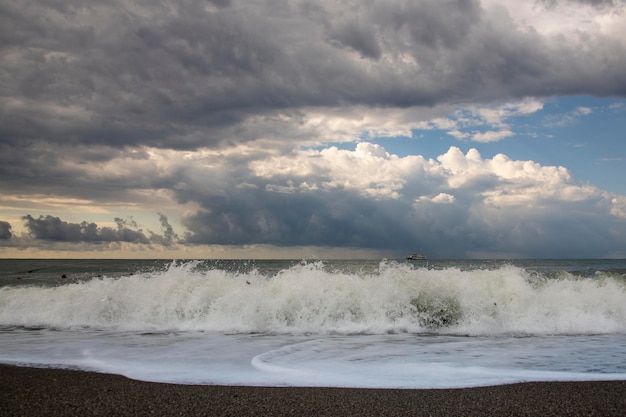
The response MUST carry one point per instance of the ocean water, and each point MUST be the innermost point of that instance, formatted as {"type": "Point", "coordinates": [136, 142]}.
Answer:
{"type": "Point", "coordinates": [378, 324]}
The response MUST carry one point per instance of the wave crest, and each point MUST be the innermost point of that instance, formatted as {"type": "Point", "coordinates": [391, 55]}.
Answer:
{"type": "Point", "coordinates": [310, 298]}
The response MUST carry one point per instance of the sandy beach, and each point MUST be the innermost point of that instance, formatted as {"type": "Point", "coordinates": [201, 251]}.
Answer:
{"type": "Point", "coordinates": [55, 392]}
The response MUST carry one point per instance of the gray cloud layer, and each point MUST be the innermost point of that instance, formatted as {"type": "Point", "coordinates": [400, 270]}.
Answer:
{"type": "Point", "coordinates": [178, 74]}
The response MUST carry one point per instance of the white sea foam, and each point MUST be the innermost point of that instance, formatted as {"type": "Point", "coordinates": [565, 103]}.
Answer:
{"type": "Point", "coordinates": [377, 361]}
{"type": "Point", "coordinates": [309, 299]}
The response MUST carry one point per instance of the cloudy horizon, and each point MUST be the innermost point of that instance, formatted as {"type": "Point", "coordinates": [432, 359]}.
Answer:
{"type": "Point", "coordinates": [284, 128]}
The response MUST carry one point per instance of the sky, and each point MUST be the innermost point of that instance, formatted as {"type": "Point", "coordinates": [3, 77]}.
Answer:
{"type": "Point", "coordinates": [324, 129]}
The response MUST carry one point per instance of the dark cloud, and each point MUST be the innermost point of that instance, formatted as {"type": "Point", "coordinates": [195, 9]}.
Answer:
{"type": "Point", "coordinates": [95, 173]}
{"type": "Point", "coordinates": [220, 3]}
{"type": "Point", "coordinates": [322, 219]}
{"type": "Point", "coordinates": [443, 230]}
{"type": "Point", "coordinates": [5, 230]}
{"type": "Point", "coordinates": [169, 236]}
{"type": "Point", "coordinates": [594, 3]}
{"type": "Point", "coordinates": [361, 39]}
{"type": "Point", "coordinates": [344, 219]}
{"type": "Point", "coordinates": [178, 75]}
{"type": "Point", "coordinates": [52, 228]}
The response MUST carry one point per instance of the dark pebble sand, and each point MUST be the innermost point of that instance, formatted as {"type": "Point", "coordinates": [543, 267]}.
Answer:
{"type": "Point", "coordinates": [56, 392]}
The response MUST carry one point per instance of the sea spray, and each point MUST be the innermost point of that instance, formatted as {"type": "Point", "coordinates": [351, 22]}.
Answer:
{"type": "Point", "coordinates": [314, 298]}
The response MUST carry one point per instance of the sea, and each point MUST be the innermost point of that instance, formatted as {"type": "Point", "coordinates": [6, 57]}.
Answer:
{"type": "Point", "coordinates": [335, 323]}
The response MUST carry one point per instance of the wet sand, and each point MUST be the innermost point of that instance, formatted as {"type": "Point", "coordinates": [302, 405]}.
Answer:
{"type": "Point", "coordinates": [55, 392]}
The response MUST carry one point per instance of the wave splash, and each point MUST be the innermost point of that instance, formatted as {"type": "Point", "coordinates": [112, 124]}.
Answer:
{"type": "Point", "coordinates": [309, 299]}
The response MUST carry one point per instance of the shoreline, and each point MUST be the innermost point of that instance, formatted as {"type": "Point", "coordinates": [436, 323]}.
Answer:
{"type": "Point", "coordinates": [60, 392]}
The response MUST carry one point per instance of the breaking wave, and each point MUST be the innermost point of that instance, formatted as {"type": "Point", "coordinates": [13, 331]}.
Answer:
{"type": "Point", "coordinates": [307, 298]}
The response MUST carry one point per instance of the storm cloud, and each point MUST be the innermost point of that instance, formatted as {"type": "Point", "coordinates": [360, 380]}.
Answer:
{"type": "Point", "coordinates": [5, 230]}
{"type": "Point", "coordinates": [462, 204]}
{"type": "Point", "coordinates": [184, 75]}
{"type": "Point", "coordinates": [52, 228]}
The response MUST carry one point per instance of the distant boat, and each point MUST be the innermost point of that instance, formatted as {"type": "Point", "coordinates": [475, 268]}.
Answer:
{"type": "Point", "coordinates": [415, 257]}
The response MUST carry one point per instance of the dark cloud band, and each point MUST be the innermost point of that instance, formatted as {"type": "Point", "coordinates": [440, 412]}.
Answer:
{"type": "Point", "coordinates": [52, 228]}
